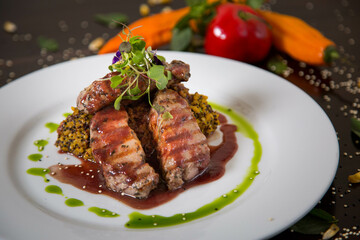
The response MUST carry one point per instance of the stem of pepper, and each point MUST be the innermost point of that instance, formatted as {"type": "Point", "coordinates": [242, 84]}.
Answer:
{"type": "Point", "coordinates": [330, 54]}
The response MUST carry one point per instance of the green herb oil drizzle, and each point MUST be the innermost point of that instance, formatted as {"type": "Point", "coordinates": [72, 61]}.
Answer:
{"type": "Point", "coordinates": [54, 190]}
{"type": "Point", "coordinates": [101, 212]}
{"type": "Point", "coordinates": [40, 144]}
{"type": "Point", "coordinates": [41, 172]}
{"type": "Point", "coordinates": [52, 126]}
{"type": "Point", "coordinates": [138, 220]}
{"type": "Point", "coordinates": [35, 157]}
{"type": "Point", "coordinates": [73, 202]}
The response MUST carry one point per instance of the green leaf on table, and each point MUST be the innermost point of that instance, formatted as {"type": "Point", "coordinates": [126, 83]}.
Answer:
{"type": "Point", "coordinates": [355, 126]}
{"type": "Point", "coordinates": [156, 72]}
{"type": "Point", "coordinates": [181, 39]}
{"type": "Point", "coordinates": [256, 4]}
{"type": "Point", "coordinates": [316, 221]}
{"type": "Point", "coordinates": [317, 212]}
{"type": "Point", "coordinates": [48, 43]}
{"type": "Point", "coordinates": [111, 19]}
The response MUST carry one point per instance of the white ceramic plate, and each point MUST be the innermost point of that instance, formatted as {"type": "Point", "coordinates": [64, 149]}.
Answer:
{"type": "Point", "coordinates": [299, 159]}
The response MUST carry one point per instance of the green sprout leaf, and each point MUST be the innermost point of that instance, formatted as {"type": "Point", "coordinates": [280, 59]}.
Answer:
{"type": "Point", "coordinates": [117, 103]}
{"type": "Point", "coordinates": [135, 91]}
{"type": "Point", "coordinates": [167, 115]}
{"type": "Point", "coordinates": [169, 75]}
{"type": "Point", "coordinates": [158, 108]}
{"type": "Point", "coordinates": [138, 57]}
{"type": "Point", "coordinates": [111, 19]}
{"type": "Point", "coordinates": [125, 47]}
{"type": "Point", "coordinates": [116, 80]}
{"type": "Point", "coordinates": [137, 43]}
{"type": "Point", "coordinates": [48, 43]}
{"type": "Point", "coordinates": [156, 72]}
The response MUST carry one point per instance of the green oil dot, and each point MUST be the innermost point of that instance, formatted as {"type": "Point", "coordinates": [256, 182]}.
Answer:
{"type": "Point", "coordinates": [52, 126]}
{"type": "Point", "coordinates": [35, 157]}
{"type": "Point", "coordinates": [41, 172]}
{"type": "Point", "coordinates": [101, 212]}
{"type": "Point", "coordinates": [54, 189]}
{"type": "Point", "coordinates": [73, 202]}
{"type": "Point", "coordinates": [40, 144]}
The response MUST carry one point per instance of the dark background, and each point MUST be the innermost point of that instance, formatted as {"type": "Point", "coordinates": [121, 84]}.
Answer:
{"type": "Point", "coordinates": [335, 88]}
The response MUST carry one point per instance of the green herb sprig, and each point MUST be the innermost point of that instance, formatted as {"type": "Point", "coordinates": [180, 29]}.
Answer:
{"type": "Point", "coordinates": [134, 61]}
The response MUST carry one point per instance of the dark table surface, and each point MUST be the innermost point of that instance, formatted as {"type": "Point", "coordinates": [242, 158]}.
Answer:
{"type": "Point", "coordinates": [335, 88]}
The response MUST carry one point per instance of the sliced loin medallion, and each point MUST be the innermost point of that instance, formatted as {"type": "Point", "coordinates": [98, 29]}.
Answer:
{"type": "Point", "coordinates": [182, 148]}
{"type": "Point", "coordinates": [117, 149]}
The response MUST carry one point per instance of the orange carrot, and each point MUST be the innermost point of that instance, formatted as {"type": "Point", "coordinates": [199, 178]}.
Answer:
{"type": "Point", "coordinates": [155, 29]}
{"type": "Point", "coordinates": [299, 40]}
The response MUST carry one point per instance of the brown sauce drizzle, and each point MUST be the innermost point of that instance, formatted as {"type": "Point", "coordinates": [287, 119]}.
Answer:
{"type": "Point", "coordinates": [88, 176]}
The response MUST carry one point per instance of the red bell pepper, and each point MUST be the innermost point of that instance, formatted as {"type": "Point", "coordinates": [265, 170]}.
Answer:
{"type": "Point", "coordinates": [238, 32]}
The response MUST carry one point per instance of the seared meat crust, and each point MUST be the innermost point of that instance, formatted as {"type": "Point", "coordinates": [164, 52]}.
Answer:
{"type": "Point", "coordinates": [100, 94]}
{"type": "Point", "coordinates": [182, 148]}
{"type": "Point", "coordinates": [117, 149]}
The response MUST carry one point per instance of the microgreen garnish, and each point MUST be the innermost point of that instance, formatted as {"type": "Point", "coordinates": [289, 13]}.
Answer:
{"type": "Point", "coordinates": [134, 62]}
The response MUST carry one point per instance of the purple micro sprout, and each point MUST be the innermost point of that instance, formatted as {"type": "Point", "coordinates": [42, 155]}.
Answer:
{"type": "Point", "coordinates": [117, 57]}
{"type": "Point", "coordinates": [156, 59]}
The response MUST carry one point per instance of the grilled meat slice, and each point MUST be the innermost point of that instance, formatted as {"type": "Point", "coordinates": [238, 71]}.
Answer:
{"type": "Point", "coordinates": [117, 149]}
{"type": "Point", "coordinates": [100, 94]}
{"type": "Point", "coordinates": [182, 148]}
